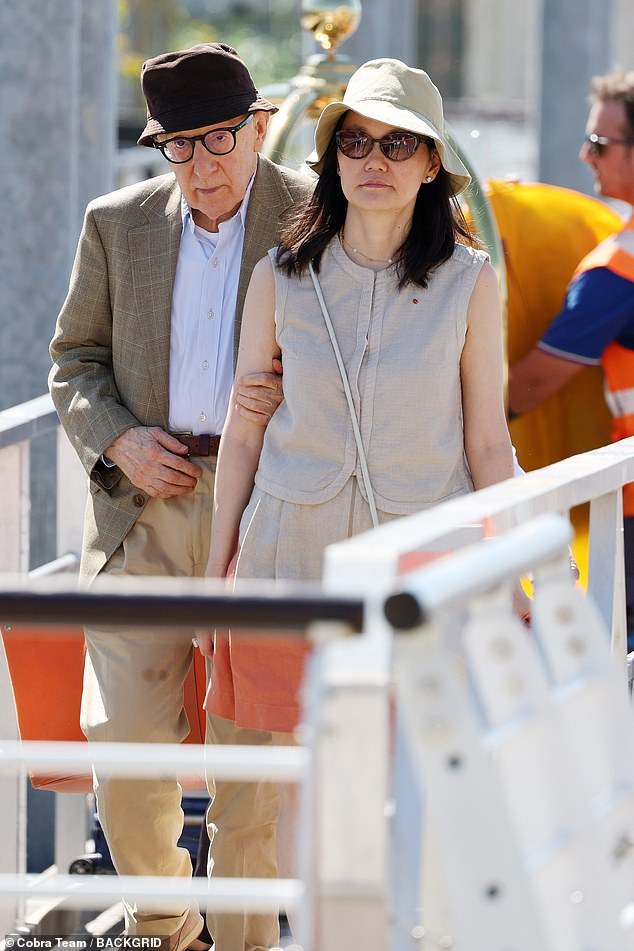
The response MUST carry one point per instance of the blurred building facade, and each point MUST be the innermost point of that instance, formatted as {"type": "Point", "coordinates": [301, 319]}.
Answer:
{"type": "Point", "coordinates": [57, 122]}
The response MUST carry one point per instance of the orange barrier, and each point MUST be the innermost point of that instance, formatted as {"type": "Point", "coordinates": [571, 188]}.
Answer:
{"type": "Point", "coordinates": [47, 671]}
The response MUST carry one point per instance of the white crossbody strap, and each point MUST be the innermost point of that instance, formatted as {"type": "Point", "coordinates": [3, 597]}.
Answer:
{"type": "Point", "coordinates": [365, 472]}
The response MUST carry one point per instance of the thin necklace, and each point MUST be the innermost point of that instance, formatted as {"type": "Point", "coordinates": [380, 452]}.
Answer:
{"type": "Point", "coordinates": [363, 255]}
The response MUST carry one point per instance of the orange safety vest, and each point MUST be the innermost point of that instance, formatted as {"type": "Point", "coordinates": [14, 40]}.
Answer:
{"type": "Point", "coordinates": [617, 361]}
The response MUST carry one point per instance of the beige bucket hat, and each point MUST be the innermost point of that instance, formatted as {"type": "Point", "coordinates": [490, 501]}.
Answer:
{"type": "Point", "coordinates": [389, 91]}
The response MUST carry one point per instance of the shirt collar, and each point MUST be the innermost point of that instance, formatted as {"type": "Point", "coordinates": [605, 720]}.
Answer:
{"type": "Point", "coordinates": [241, 213]}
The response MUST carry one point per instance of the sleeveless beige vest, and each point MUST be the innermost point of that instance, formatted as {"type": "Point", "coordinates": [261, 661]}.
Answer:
{"type": "Point", "coordinates": [402, 352]}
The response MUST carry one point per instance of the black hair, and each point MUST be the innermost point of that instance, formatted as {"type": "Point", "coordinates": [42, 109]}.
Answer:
{"type": "Point", "coordinates": [437, 222]}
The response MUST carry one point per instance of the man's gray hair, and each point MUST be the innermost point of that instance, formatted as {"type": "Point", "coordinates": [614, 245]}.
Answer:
{"type": "Point", "coordinates": [617, 86]}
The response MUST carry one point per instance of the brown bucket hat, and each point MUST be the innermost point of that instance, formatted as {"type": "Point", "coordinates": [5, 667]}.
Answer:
{"type": "Point", "coordinates": [200, 86]}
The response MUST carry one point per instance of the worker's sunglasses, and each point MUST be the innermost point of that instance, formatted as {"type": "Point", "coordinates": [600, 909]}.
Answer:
{"type": "Point", "coordinates": [597, 144]}
{"type": "Point", "coordinates": [180, 149]}
{"type": "Point", "coordinates": [397, 146]}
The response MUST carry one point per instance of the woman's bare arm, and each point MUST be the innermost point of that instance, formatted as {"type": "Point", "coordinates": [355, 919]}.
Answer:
{"type": "Point", "coordinates": [242, 439]}
{"type": "Point", "coordinates": [487, 441]}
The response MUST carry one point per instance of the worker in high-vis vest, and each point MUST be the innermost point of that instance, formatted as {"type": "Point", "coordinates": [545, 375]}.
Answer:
{"type": "Point", "coordinates": [596, 323]}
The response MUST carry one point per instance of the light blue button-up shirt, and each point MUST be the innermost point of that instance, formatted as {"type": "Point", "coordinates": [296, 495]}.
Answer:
{"type": "Point", "coordinates": [202, 322]}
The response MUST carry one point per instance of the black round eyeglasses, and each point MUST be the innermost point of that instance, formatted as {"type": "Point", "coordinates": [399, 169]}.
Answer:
{"type": "Point", "coordinates": [180, 149]}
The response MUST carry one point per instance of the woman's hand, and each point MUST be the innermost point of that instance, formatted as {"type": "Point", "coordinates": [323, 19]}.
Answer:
{"type": "Point", "coordinates": [204, 638]}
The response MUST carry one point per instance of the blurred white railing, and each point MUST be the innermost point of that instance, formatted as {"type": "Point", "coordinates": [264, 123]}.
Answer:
{"type": "Point", "coordinates": [18, 427]}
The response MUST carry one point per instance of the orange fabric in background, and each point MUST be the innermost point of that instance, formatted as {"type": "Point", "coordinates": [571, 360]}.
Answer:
{"type": "Point", "coordinates": [242, 680]}
{"type": "Point", "coordinates": [47, 674]}
{"type": "Point", "coordinates": [545, 232]}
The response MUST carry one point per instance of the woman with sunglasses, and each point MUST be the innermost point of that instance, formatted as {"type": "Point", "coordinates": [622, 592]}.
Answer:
{"type": "Point", "coordinates": [415, 313]}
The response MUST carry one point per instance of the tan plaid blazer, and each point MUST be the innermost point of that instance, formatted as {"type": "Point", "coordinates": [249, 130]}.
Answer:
{"type": "Point", "coordinates": [111, 345]}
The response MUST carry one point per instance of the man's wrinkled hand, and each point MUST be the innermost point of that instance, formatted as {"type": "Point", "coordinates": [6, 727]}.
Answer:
{"type": "Point", "coordinates": [154, 461]}
{"type": "Point", "coordinates": [259, 394]}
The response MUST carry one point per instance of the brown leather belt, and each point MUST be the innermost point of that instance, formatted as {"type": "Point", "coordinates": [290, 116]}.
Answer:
{"type": "Point", "coordinates": [201, 445]}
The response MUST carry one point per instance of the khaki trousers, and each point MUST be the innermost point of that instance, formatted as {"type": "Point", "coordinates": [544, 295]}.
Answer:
{"type": "Point", "coordinates": [133, 691]}
{"type": "Point", "coordinates": [251, 828]}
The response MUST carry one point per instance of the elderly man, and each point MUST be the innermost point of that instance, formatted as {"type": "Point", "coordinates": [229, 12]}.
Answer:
{"type": "Point", "coordinates": [143, 358]}
{"type": "Point", "coordinates": [596, 323]}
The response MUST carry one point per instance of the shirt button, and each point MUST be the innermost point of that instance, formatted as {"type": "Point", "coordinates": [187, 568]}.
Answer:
{"type": "Point", "coordinates": [210, 314]}
{"type": "Point", "coordinates": [214, 263]}
{"type": "Point", "coordinates": [139, 501]}
{"type": "Point", "coordinates": [205, 364]}
{"type": "Point", "coordinates": [202, 417]}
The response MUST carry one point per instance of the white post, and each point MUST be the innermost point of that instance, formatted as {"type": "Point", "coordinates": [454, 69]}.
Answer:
{"type": "Point", "coordinates": [13, 800]}
{"type": "Point", "coordinates": [14, 511]}
{"type": "Point", "coordinates": [72, 483]}
{"type": "Point", "coordinates": [345, 796]}
{"type": "Point", "coordinates": [606, 572]}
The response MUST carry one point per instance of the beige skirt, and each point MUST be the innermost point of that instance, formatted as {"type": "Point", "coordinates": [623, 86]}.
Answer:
{"type": "Point", "coordinates": [256, 680]}
{"type": "Point", "coordinates": [285, 540]}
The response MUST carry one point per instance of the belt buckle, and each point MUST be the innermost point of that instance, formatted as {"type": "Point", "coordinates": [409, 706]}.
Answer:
{"type": "Point", "coordinates": [185, 434]}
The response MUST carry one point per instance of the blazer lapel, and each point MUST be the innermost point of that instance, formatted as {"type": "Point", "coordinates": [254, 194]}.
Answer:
{"type": "Point", "coordinates": [269, 198]}
{"type": "Point", "coordinates": [153, 255]}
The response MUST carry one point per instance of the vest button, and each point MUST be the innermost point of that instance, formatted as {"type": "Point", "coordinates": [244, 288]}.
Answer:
{"type": "Point", "coordinates": [139, 501]}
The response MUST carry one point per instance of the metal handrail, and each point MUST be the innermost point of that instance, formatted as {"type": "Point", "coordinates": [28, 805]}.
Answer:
{"type": "Point", "coordinates": [179, 602]}
{"type": "Point", "coordinates": [27, 420]}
